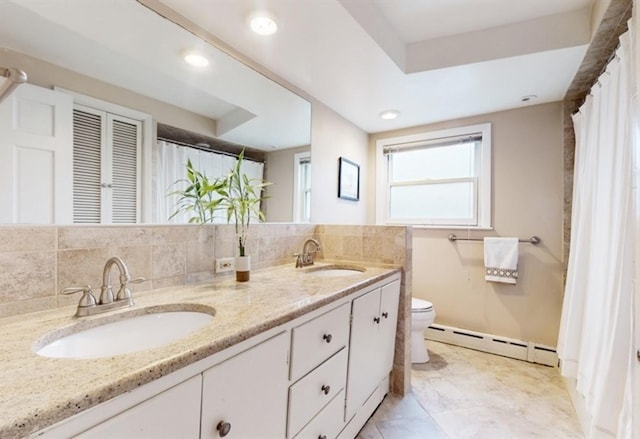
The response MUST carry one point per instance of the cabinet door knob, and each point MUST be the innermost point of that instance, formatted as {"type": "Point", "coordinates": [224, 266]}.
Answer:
{"type": "Point", "coordinates": [377, 320]}
{"type": "Point", "coordinates": [327, 338]}
{"type": "Point", "coordinates": [322, 436]}
{"type": "Point", "coordinates": [223, 428]}
{"type": "Point", "coordinates": [325, 389]}
{"type": "Point", "coordinates": [385, 315]}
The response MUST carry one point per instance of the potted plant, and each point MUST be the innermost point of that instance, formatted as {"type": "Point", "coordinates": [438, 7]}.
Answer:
{"type": "Point", "coordinates": [241, 197]}
{"type": "Point", "coordinates": [201, 197]}
{"type": "Point", "coordinates": [235, 193]}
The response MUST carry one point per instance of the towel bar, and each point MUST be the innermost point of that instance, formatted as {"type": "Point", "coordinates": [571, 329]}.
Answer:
{"type": "Point", "coordinates": [533, 240]}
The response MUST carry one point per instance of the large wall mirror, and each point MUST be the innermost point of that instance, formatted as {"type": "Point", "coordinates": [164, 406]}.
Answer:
{"type": "Point", "coordinates": [122, 63]}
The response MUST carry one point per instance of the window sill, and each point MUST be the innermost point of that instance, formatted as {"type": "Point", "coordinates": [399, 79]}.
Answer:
{"type": "Point", "coordinates": [444, 227]}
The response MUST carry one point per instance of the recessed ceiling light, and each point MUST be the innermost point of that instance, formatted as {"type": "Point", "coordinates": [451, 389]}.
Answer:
{"type": "Point", "coordinates": [389, 114]}
{"type": "Point", "coordinates": [263, 23]}
{"type": "Point", "coordinates": [196, 59]}
{"type": "Point", "coordinates": [528, 98]}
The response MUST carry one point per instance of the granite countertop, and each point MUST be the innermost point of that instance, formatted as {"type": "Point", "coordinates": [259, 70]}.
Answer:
{"type": "Point", "coordinates": [36, 392]}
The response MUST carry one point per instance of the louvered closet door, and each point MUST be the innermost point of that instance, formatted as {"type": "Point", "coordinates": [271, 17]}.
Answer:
{"type": "Point", "coordinates": [125, 141]}
{"type": "Point", "coordinates": [106, 177]}
{"type": "Point", "coordinates": [89, 138]}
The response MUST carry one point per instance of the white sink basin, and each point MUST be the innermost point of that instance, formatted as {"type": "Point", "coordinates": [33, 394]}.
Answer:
{"type": "Point", "coordinates": [129, 333]}
{"type": "Point", "coordinates": [335, 270]}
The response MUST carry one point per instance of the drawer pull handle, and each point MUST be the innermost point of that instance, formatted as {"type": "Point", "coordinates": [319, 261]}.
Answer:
{"type": "Point", "coordinates": [325, 389]}
{"type": "Point", "coordinates": [385, 315]}
{"type": "Point", "coordinates": [322, 436]}
{"type": "Point", "coordinates": [223, 428]}
{"type": "Point", "coordinates": [327, 338]}
{"type": "Point", "coordinates": [377, 320]}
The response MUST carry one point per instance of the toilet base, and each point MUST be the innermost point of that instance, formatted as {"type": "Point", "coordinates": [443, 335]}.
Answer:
{"type": "Point", "coordinates": [419, 352]}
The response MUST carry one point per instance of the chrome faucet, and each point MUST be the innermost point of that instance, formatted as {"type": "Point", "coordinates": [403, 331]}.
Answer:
{"type": "Point", "coordinates": [306, 257]}
{"type": "Point", "coordinates": [106, 292]}
{"type": "Point", "coordinates": [88, 304]}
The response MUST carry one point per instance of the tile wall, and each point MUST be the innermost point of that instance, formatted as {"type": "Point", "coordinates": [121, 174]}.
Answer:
{"type": "Point", "coordinates": [38, 262]}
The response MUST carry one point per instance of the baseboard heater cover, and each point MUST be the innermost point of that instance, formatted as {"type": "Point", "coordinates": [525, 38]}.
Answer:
{"type": "Point", "coordinates": [494, 344]}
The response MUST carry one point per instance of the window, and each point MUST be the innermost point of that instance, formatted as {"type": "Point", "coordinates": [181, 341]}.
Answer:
{"type": "Point", "coordinates": [302, 187]}
{"type": "Point", "coordinates": [439, 179]}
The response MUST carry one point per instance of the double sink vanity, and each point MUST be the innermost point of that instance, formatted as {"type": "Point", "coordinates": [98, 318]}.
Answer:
{"type": "Point", "coordinates": [294, 353]}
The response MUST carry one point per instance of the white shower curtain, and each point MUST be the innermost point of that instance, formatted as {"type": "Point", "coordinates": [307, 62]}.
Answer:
{"type": "Point", "coordinates": [169, 167]}
{"type": "Point", "coordinates": [169, 162]}
{"type": "Point", "coordinates": [595, 339]}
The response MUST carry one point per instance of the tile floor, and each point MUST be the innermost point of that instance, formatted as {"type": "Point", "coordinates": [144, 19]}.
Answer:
{"type": "Point", "coordinates": [462, 393]}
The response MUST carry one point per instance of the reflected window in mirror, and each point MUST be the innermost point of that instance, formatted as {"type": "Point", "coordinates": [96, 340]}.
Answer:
{"type": "Point", "coordinates": [302, 188]}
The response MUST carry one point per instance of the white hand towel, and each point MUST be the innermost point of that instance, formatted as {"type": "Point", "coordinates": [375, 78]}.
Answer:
{"type": "Point", "coordinates": [501, 260]}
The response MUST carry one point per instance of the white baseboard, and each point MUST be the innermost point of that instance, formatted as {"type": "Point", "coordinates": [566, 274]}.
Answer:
{"type": "Point", "coordinates": [494, 344]}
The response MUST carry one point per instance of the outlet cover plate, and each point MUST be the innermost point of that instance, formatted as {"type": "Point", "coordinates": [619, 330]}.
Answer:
{"type": "Point", "coordinates": [224, 265]}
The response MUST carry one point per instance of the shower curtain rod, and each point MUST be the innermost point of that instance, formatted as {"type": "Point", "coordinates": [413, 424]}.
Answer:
{"type": "Point", "coordinates": [14, 77]}
{"type": "Point", "coordinates": [206, 148]}
{"type": "Point", "coordinates": [533, 240]}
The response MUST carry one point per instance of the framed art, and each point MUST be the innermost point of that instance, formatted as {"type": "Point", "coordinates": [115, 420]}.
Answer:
{"type": "Point", "coordinates": [348, 180]}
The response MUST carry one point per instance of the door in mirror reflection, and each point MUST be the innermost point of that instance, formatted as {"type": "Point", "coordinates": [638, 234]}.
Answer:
{"type": "Point", "coordinates": [35, 157]}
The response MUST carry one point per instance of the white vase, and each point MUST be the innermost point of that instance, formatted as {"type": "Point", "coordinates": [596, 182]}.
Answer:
{"type": "Point", "coordinates": [243, 268]}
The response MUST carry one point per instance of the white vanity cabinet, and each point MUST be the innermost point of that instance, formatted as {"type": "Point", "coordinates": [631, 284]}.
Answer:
{"type": "Point", "coordinates": [371, 348]}
{"type": "Point", "coordinates": [173, 413]}
{"type": "Point", "coordinates": [319, 353]}
{"type": "Point", "coordinates": [246, 395]}
{"type": "Point", "coordinates": [320, 375]}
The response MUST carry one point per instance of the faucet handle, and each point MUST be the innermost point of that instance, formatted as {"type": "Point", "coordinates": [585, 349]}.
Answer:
{"type": "Point", "coordinates": [299, 260]}
{"type": "Point", "coordinates": [124, 293]}
{"type": "Point", "coordinates": [87, 299]}
{"type": "Point", "coordinates": [72, 290]}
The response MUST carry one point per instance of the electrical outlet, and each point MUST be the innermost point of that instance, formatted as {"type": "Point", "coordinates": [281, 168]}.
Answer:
{"type": "Point", "coordinates": [225, 264]}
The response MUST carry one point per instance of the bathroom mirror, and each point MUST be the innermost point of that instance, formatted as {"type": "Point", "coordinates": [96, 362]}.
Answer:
{"type": "Point", "coordinates": [124, 53]}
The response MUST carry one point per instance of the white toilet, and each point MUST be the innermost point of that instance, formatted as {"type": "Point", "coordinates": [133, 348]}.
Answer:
{"type": "Point", "coordinates": [422, 316]}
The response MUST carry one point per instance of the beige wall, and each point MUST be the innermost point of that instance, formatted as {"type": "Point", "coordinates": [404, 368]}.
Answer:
{"type": "Point", "coordinates": [527, 200]}
{"type": "Point", "coordinates": [333, 137]}
{"type": "Point", "coordinates": [279, 169]}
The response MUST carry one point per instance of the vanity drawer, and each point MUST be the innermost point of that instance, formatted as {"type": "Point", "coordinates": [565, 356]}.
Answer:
{"type": "Point", "coordinates": [328, 423]}
{"type": "Point", "coordinates": [318, 339]}
{"type": "Point", "coordinates": [309, 395]}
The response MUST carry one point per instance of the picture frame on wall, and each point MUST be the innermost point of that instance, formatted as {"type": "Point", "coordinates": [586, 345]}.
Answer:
{"type": "Point", "coordinates": [348, 180]}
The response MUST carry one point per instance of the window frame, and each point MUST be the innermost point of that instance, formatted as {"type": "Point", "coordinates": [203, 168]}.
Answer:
{"type": "Point", "coordinates": [483, 198]}
{"type": "Point", "coordinates": [299, 190]}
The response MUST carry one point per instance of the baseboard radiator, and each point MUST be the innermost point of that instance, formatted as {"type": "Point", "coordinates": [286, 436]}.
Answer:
{"type": "Point", "coordinates": [494, 344]}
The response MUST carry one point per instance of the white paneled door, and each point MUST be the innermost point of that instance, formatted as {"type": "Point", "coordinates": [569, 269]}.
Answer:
{"type": "Point", "coordinates": [36, 157]}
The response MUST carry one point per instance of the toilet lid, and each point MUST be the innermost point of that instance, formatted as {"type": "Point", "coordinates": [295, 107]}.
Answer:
{"type": "Point", "coordinates": [420, 305]}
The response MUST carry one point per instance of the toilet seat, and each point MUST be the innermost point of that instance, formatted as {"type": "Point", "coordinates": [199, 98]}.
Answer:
{"type": "Point", "coordinates": [419, 305]}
